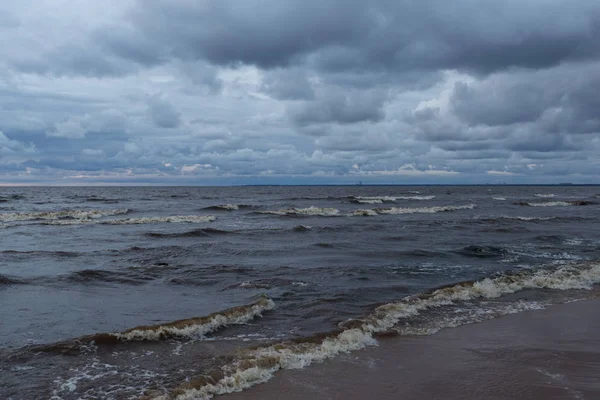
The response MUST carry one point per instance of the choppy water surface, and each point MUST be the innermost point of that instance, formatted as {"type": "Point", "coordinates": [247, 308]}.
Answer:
{"type": "Point", "coordinates": [191, 292]}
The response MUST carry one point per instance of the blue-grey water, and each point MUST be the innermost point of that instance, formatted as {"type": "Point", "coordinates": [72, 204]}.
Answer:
{"type": "Point", "coordinates": [75, 262]}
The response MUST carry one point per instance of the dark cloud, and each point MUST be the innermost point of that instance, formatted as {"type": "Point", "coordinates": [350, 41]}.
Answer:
{"type": "Point", "coordinates": [162, 113]}
{"type": "Point", "coordinates": [85, 59]}
{"type": "Point", "coordinates": [499, 105]}
{"type": "Point", "coordinates": [345, 35]}
{"type": "Point", "coordinates": [340, 107]}
{"type": "Point", "coordinates": [288, 84]}
{"type": "Point", "coordinates": [555, 101]}
{"type": "Point", "coordinates": [380, 89]}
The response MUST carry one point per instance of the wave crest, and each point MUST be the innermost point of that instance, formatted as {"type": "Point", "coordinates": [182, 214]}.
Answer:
{"type": "Point", "coordinates": [60, 215]}
{"type": "Point", "coordinates": [227, 207]}
{"type": "Point", "coordinates": [198, 327]}
{"type": "Point", "coordinates": [140, 220]}
{"type": "Point", "coordinates": [423, 210]}
{"type": "Point", "coordinates": [259, 365]}
{"type": "Point", "coordinates": [334, 212]}
{"type": "Point", "coordinates": [556, 203]}
{"type": "Point", "coordinates": [314, 211]}
{"type": "Point", "coordinates": [191, 328]}
{"type": "Point", "coordinates": [385, 199]}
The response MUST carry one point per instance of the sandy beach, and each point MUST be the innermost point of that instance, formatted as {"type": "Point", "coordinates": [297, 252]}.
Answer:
{"type": "Point", "coordinates": [547, 354]}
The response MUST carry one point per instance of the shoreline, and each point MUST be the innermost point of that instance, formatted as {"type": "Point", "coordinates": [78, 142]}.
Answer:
{"type": "Point", "coordinates": [552, 353]}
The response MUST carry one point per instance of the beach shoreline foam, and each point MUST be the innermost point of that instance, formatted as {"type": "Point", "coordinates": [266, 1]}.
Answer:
{"type": "Point", "coordinates": [547, 354]}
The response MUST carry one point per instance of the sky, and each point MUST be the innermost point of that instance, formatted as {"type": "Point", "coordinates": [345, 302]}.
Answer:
{"type": "Point", "coordinates": [224, 92]}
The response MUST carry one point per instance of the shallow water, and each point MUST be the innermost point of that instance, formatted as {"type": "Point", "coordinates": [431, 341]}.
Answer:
{"type": "Point", "coordinates": [75, 262]}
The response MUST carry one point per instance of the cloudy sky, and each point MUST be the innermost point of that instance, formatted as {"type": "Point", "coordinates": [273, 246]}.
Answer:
{"type": "Point", "coordinates": [299, 91]}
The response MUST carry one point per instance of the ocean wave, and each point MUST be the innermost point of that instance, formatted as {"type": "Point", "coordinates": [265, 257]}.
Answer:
{"type": "Point", "coordinates": [259, 365]}
{"type": "Point", "coordinates": [205, 232]}
{"type": "Point", "coordinates": [106, 200]}
{"type": "Point", "coordinates": [6, 280]}
{"type": "Point", "coordinates": [528, 219]}
{"type": "Point", "coordinates": [466, 315]}
{"type": "Point", "coordinates": [310, 211]}
{"type": "Point", "coordinates": [266, 283]}
{"type": "Point", "coordinates": [499, 198]}
{"type": "Point", "coordinates": [556, 203]}
{"type": "Point", "coordinates": [6, 199]}
{"type": "Point", "coordinates": [481, 251]}
{"type": "Point", "coordinates": [87, 276]}
{"type": "Point", "coordinates": [42, 253]}
{"type": "Point", "coordinates": [545, 195]}
{"type": "Point", "coordinates": [140, 220]}
{"type": "Point", "coordinates": [66, 215]}
{"type": "Point", "coordinates": [334, 212]}
{"type": "Point", "coordinates": [228, 207]}
{"type": "Point", "coordinates": [302, 228]}
{"type": "Point", "coordinates": [362, 213]}
{"type": "Point", "coordinates": [384, 199]}
{"type": "Point", "coordinates": [521, 218]}
{"type": "Point", "coordinates": [423, 210]}
{"type": "Point", "coordinates": [193, 327]}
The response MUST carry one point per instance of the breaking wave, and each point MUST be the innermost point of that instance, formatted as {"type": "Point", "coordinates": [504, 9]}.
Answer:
{"type": "Point", "coordinates": [334, 212]}
{"type": "Point", "coordinates": [384, 199]}
{"type": "Point", "coordinates": [302, 228]}
{"type": "Point", "coordinates": [362, 213]}
{"type": "Point", "coordinates": [499, 198]}
{"type": "Point", "coordinates": [316, 211]}
{"type": "Point", "coordinates": [545, 195]}
{"type": "Point", "coordinates": [259, 365]}
{"type": "Point", "coordinates": [227, 207]}
{"type": "Point", "coordinates": [191, 328]}
{"type": "Point", "coordinates": [66, 215]}
{"type": "Point", "coordinates": [555, 203]}
{"type": "Point", "coordinates": [140, 220]}
{"type": "Point", "coordinates": [520, 218]}
{"type": "Point", "coordinates": [526, 219]}
{"type": "Point", "coordinates": [423, 210]}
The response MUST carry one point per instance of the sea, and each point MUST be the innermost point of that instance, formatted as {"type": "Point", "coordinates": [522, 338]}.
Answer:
{"type": "Point", "coordinates": [193, 292]}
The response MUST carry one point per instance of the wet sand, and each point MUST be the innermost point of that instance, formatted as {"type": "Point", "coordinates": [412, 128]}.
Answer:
{"type": "Point", "coordinates": [547, 354]}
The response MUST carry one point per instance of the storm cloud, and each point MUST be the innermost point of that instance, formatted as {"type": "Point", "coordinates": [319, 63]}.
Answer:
{"type": "Point", "coordinates": [288, 91]}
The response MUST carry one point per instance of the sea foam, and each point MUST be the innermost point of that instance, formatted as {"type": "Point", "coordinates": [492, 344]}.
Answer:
{"type": "Point", "coordinates": [59, 215]}
{"type": "Point", "coordinates": [259, 365]}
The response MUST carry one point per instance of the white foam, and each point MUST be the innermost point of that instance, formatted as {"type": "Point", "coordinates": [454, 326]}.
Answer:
{"type": "Point", "coordinates": [550, 204]}
{"type": "Point", "coordinates": [140, 220]}
{"type": "Point", "coordinates": [499, 198]}
{"type": "Point", "coordinates": [363, 213]}
{"type": "Point", "coordinates": [519, 218]}
{"type": "Point", "coordinates": [369, 201]}
{"type": "Point", "coordinates": [58, 215]}
{"type": "Point", "coordinates": [316, 211]}
{"type": "Point", "coordinates": [156, 220]}
{"type": "Point", "coordinates": [467, 316]}
{"type": "Point", "coordinates": [423, 210]}
{"type": "Point", "coordinates": [259, 365]}
{"type": "Point", "coordinates": [198, 330]}
{"type": "Point", "coordinates": [334, 212]}
{"type": "Point", "coordinates": [382, 199]}
{"type": "Point", "coordinates": [545, 195]}
{"type": "Point", "coordinates": [230, 207]}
